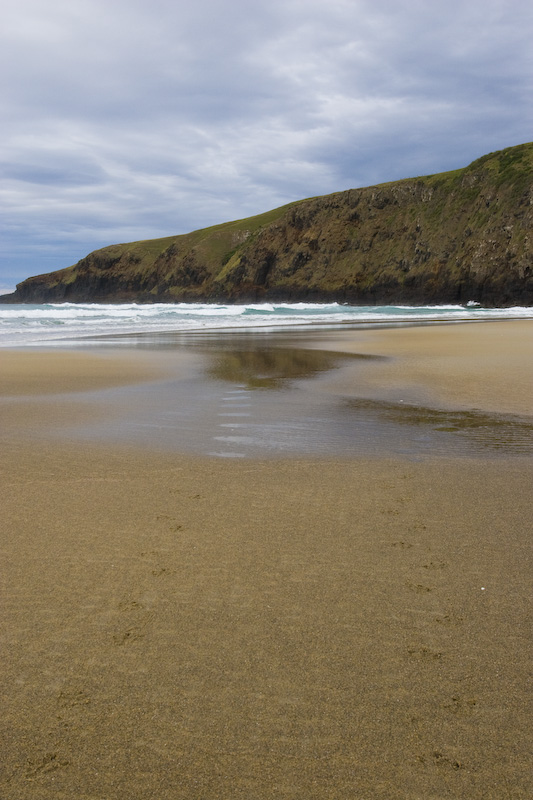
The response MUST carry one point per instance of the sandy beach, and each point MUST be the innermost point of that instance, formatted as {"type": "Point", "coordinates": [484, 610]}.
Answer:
{"type": "Point", "coordinates": [486, 366]}
{"type": "Point", "coordinates": [177, 626]}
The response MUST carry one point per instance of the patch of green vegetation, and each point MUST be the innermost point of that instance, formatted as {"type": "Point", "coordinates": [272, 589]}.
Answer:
{"type": "Point", "coordinates": [513, 155]}
{"type": "Point", "coordinates": [68, 275]}
{"type": "Point", "coordinates": [444, 180]}
{"type": "Point", "coordinates": [150, 246]}
{"type": "Point", "coordinates": [505, 164]}
{"type": "Point", "coordinates": [215, 245]}
{"type": "Point", "coordinates": [228, 256]}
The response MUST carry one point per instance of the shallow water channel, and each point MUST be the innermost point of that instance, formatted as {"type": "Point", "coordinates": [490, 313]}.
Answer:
{"type": "Point", "coordinates": [258, 395]}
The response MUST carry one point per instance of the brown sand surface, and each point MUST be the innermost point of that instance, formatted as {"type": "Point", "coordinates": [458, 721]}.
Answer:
{"type": "Point", "coordinates": [27, 372]}
{"type": "Point", "coordinates": [178, 627]}
{"type": "Point", "coordinates": [42, 390]}
{"type": "Point", "coordinates": [485, 365]}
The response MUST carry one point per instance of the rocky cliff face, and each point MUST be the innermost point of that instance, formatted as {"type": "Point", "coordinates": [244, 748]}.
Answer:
{"type": "Point", "coordinates": [455, 237]}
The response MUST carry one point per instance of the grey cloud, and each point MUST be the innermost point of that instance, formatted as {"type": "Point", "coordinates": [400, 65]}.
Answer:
{"type": "Point", "coordinates": [140, 119]}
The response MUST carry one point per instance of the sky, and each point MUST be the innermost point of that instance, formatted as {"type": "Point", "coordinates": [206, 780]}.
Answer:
{"type": "Point", "coordinates": [139, 119]}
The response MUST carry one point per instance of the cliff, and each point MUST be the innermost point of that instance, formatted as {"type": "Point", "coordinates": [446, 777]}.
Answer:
{"type": "Point", "coordinates": [453, 237]}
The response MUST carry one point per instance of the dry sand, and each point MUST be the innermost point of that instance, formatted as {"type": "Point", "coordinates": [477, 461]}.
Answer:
{"type": "Point", "coordinates": [177, 627]}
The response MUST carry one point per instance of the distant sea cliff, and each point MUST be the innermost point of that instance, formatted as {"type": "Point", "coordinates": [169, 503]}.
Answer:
{"type": "Point", "coordinates": [454, 237]}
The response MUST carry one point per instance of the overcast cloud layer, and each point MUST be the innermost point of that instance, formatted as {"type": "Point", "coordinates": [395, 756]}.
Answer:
{"type": "Point", "coordinates": [140, 119]}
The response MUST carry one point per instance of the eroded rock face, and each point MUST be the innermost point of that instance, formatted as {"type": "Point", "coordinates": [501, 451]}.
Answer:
{"type": "Point", "coordinates": [455, 237]}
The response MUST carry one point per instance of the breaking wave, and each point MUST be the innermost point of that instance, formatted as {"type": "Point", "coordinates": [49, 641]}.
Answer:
{"type": "Point", "coordinates": [57, 322]}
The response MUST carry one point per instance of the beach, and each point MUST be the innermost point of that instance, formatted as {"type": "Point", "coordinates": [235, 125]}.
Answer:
{"type": "Point", "coordinates": [177, 625]}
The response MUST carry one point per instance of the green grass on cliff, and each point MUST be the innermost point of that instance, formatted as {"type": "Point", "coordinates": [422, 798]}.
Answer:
{"type": "Point", "coordinates": [216, 243]}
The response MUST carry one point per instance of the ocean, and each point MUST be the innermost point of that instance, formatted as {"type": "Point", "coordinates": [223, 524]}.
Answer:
{"type": "Point", "coordinates": [56, 324]}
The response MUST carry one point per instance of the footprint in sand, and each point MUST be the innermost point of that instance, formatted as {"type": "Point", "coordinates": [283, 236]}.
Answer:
{"type": "Point", "coordinates": [158, 571]}
{"type": "Point", "coordinates": [128, 637]}
{"type": "Point", "coordinates": [49, 762]}
{"type": "Point", "coordinates": [424, 654]}
{"type": "Point", "coordinates": [441, 760]}
{"type": "Point", "coordinates": [137, 631]}
{"type": "Point", "coordinates": [419, 588]}
{"type": "Point", "coordinates": [458, 705]}
{"type": "Point", "coordinates": [72, 698]}
{"type": "Point", "coordinates": [445, 761]}
{"type": "Point", "coordinates": [130, 605]}
{"type": "Point", "coordinates": [175, 526]}
{"type": "Point", "coordinates": [450, 620]}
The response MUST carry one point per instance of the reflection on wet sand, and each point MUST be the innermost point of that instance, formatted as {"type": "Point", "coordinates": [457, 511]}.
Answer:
{"type": "Point", "coordinates": [269, 368]}
{"type": "Point", "coordinates": [272, 367]}
{"type": "Point", "coordinates": [279, 396]}
{"type": "Point", "coordinates": [493, 431]}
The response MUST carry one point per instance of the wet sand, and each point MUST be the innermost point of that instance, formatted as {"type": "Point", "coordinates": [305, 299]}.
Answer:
{"type": "Point", "coordinates": [487, 366]}
{"type": "Point", "coordinates": [30, 372]}
{"type": "Point", "coordinates": [186, 627]}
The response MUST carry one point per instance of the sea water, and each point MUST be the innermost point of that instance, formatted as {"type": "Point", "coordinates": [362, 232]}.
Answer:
{"type": "Point", "coordinates": [57, 323]}
{"type": "Point", "coordinates": [241, 396]}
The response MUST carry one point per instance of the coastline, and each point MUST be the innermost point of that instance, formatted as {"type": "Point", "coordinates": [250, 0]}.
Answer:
{"type": "Point", "coordinates": [187, 627]}
{"type": "Point", "coordinates": [456, 364]}
{"type": "Point", "coordinates": [79, 324]}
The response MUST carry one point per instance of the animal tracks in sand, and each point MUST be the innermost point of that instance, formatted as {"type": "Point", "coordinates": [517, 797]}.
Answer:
{"type": "Point", "coordinates": [130, 605]}
{"type": "Point", "coordinates": [140, 623]}
{"type": "Point", "coordinates": [177, 492]}
{"type": "Point", "coordinates": [435, 565]}
{"type": "Point", "coordinates": [41, 765]}
{"type": "Point", "coordinates": [72, 698]}
{"type": "Point", "coordinates": [129, 636]}
{"type": "Point", "coordinates": [419, 588]}
{"type": "Point", "coordinates": [133, 610]}
{"type": "Point", "coordinates": [450, 620]}
{"type": "Point", "coordinates": [424, 654]}
{"type": "Point", "coordinates": [460, 705]}
{"type": "Point", "coordinates": [441, 760]}
{"type": "Point", "coordinates": [174, 526]}
{"type": "Point", "coordinates": [72, 703]}
{"type": "Point", "coordinates": [158, 571]}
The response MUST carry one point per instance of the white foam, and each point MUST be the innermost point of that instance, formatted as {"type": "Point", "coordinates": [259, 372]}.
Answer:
{"type": "Point", "coordinates": [54, 322]}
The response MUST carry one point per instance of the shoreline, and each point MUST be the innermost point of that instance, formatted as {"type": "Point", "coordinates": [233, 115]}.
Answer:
{"type": "Point", "coordinates": [277, 328]}
{"type": "Point", "coordinates": [450, 365]}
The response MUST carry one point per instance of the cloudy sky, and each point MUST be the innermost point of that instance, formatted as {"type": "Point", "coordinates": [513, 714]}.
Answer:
{"type": "Point", "coordinates": [144, 118]}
